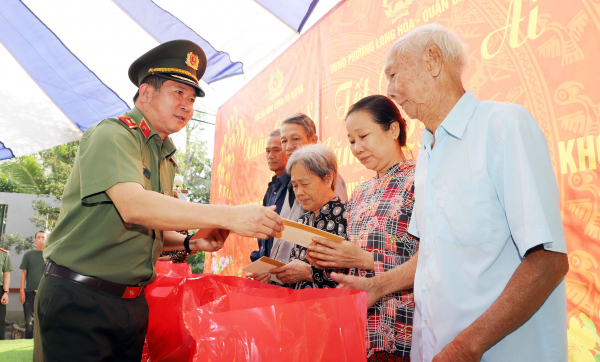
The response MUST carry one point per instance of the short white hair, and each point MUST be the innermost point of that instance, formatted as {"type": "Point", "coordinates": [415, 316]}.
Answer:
{"type": "Point", "coordinates": [318, 160]}
{"type": "Point", "coordinates": [417, 40]}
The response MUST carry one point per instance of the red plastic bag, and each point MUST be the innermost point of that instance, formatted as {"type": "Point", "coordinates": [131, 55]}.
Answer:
{"type": "Point", "coordinates": [235, 319]}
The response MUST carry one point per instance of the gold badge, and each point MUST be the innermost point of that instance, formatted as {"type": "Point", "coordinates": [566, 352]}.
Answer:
{"type": "Point", "coordinates": [192, 61]}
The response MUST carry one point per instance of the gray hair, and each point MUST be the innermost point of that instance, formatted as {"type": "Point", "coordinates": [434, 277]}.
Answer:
{"type": "Point", "coordinates": [416, 40]}
{"type": "Point", "coordinates": [318, 159]}
{"type": "Point", "coordinates": [275, 132]}
{"type": "Point", "coordinates": [304, 121]}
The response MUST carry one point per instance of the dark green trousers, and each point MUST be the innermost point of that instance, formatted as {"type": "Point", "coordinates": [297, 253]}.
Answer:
{"type": "Point", "coordinates": [77, 323]}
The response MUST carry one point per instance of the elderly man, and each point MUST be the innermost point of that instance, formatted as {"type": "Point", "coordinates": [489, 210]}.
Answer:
{"type": "Point", "coordinates": [297, 131]}
{"type": "Point", "coordinates": [489, 276]}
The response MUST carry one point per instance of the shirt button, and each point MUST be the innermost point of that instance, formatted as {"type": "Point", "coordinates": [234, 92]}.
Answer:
{"type": "Point", "coordinates": [426, 323]}
{"type": "Point", "coordinates": [429, 251]}
{"type": "Point", "coordinates": [426, 286]}
{"type": "Point", "coordinates": [431, 216]}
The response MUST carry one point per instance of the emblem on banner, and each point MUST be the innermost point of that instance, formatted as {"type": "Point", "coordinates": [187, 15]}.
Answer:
{"type": "Point", "coordinates": [275, 84]}
{"type": "Point", "coordinates": [394, 10]}
{"type": "Point", "coordinates": [192, 61]}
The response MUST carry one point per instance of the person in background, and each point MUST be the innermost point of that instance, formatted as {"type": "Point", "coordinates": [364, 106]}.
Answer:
{"type": "Point", "coordinates": [489, 277]}
{"type": "Point", "coordinates": [275, 195]}
{"type": "Point", "coordinates": [314, 172]}
{"type": "Point", "coordinates": [296, 132]}
{"type": "Point", "coordinates": [32, 270]}
{"type": "Point", "coordinates": [6, 267]}
{"type": "Point", "coordinates": [379, 212]}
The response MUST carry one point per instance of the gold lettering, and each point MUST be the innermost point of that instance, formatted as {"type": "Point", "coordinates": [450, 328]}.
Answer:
{"type": "Point", "coordinates": [586, 152]}
{"type": "Point", "coordinates": [566, 157]}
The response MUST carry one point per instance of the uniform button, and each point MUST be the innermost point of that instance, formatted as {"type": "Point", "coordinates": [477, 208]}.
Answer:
{"type": "Point", "coordinates": [157, 138]}
{"type": "Point", "coordinates": [431, 216]}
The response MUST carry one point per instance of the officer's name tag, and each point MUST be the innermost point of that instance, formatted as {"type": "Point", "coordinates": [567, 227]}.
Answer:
{"type": "Point", "coordinates": [147, 173]}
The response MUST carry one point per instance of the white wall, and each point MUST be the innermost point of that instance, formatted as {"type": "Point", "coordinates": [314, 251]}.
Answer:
{"type": "Point", "coordinates": [19, 211]}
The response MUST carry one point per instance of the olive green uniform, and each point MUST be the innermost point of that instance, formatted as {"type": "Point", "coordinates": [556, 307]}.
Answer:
{"type": "Point", "coordinates": [5, 266]}
{"type": "Point", "coordinates": [91, 239]}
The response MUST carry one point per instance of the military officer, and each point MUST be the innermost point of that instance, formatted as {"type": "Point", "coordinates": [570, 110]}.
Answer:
{"type": "Point", "coordinates": [5, 267]}
{"type": "Point", "coordinates": [118, 213]}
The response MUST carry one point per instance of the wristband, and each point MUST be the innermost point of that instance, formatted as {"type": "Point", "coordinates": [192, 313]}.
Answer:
{"type": "Point", "coordinates": [186, 244]}
{"type": "Point", "coordinates": [5, 292]}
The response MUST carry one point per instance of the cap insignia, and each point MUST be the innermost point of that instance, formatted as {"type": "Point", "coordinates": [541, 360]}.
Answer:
{"type": "Point", "coordinates": [192, 61]}
{"type": "Point", "coordinates": [145, 128]}
{"type": "Point", "coordinates": [129, 122]}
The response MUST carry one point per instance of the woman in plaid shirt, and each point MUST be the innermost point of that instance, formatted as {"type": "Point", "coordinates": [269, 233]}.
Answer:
{"type": "Point", "coordinates": [379, 213]}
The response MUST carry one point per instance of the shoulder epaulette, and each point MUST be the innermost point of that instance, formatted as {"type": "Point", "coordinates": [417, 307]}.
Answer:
{"type": "Point", "coordinates": [175, 162]}
{"type": "Point", "coordinates": [128, 122]}
{"type": "Point", "coordinates": [4, 250]}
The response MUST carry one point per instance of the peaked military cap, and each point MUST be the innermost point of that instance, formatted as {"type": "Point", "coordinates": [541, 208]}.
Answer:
{"type": "Point", "coordinates": [179, 60]}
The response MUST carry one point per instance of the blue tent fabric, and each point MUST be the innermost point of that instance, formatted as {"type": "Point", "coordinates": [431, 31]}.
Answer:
{"type": "Point", "coordinates": [5, 153]}
{"type": "Point", "coordinates": [74, 88]}
{"type": "Point", "coordinates": [164, 27]}
{"type": "Point", "coordinates": [293, 13]}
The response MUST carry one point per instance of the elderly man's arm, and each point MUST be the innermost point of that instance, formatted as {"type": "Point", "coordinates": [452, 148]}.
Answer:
{"type": "Point", "coordinates": [401, 277]}
{"type": "Point", "coordinates": [535, 278]}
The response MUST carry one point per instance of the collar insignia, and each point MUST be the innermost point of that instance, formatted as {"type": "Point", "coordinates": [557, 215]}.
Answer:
{"type": "Point", "coordinates": [129, 122]}
{"type": "Point", "coordinates": [192, 61]}
{"type": "Point", "coordinates": [145, 128]}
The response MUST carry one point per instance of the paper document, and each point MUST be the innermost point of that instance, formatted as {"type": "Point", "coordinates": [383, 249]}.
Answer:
{"type": "Point", "coordinates": [301, 234]}
{"type": "Point", "coordinates": [262, 266]}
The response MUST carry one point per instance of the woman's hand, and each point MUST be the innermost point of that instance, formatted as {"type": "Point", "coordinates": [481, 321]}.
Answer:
{"type": "Point", "coordinates": [331, 254]}
{"type": "Point", "coordinates": [265, 277]}
{"type": "Point", "coordinates": [293, 272]}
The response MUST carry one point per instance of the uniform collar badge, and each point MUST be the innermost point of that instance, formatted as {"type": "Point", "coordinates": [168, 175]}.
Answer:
{"type": "Point", "coordinates": [192, 61]}
{"type": "Point", "coordinates": [129, 122]}
{"type": "Point", "coordinates": [145, 128]}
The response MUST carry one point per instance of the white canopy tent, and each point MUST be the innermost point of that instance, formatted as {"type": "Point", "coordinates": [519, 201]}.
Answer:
{"type": "Point", "coordinates": [107, 36]}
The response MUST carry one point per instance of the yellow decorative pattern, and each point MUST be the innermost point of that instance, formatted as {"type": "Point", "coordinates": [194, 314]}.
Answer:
{"type": "Point", "coordinates": [172, 70]}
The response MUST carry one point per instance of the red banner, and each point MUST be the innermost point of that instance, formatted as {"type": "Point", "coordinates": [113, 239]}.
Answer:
{"type": "Point", "coordinates": [541, 54]}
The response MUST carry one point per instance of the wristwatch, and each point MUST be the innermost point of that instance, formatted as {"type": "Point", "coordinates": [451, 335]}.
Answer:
{"type": "Point", "coordinates": [5, 292]}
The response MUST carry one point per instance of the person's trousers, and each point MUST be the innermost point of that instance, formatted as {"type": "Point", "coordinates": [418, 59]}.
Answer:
{"type": "Point", "coordinates": [74, 322]}
{"type": "Point", "coordinates": [28, 311]}
{"type": "Point", "coordinates": [2, 320]}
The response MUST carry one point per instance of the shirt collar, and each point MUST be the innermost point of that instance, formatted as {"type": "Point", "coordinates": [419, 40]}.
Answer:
{"type": "Point", "coordinates": [168, 147]}
{"type": "Point", "coordinates": [284, 178]}
{"type": "Point", "coordinates": [456, 121]}
{"type": "Point", "coordinates": [395, 169]}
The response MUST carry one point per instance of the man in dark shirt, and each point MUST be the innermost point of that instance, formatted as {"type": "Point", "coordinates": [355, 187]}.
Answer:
{"type": "Point", "coordinates": [275, 194]}
{"type": "Point", "coordinates": [32, 268]}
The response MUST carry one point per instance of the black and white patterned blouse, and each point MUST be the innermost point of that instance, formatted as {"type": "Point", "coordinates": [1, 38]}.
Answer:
{"type": "Point", "coordinates": [332, 218]}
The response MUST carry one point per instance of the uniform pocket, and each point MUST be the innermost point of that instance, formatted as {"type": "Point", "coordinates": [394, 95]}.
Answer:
{"type": "Point", "coordinates": [465, 212]}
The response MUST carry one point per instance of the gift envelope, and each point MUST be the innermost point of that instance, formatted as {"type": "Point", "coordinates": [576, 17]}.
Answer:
{"type": "Point", "coordinates": [301, 234]}
{"type": "Point", "coordinates": [262, 266]}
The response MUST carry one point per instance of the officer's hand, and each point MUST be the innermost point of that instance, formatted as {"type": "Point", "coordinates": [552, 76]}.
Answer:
{"type": "Point", "coordinates": [4, 299]}
{"type": "Point", "coordinates": [255, 221]}
{"type": "Point", "coordinates": [214, 242]}
{"type": "Point", "coordinates": [22, 297]}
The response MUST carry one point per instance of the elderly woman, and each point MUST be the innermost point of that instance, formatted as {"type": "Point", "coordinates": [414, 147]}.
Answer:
{"type": "Point", "coordinates": [313, 171]}
{"type": "Point", "coordinates": [379, 212]}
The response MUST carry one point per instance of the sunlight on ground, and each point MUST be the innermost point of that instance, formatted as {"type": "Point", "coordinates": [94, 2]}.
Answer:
{"type": "Point", "coordinates": [19, 350]}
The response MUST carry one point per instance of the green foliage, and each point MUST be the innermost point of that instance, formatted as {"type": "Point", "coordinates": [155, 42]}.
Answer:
{"type": "Point", "coordinates": [18, 242]}
{"type": "Point", "coordinates": [45, 216]}
{"type": "Point", "coordinates": [196, 261]}
{"type": "Point", "coordinates": [194, 164]}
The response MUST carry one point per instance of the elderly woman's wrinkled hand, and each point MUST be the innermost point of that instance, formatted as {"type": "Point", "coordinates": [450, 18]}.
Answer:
{"type": "Point", "coordinates": [331, 254]}
{"type": "Point", "coordinates": [265, 277]}
{"type": "Point", "coordinates": [293, 272]}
